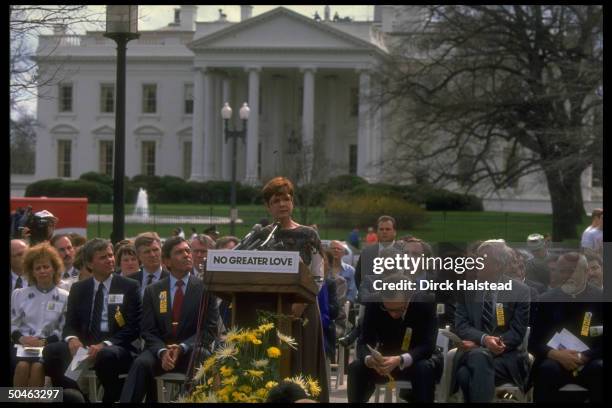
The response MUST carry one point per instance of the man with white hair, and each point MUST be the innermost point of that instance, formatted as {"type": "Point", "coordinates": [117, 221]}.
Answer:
{"type": "Point", "coordinates": [576, 306]}
{"type": "Point", "coordinates": [492, 325]}
{"type": "Point", "coordinates": [536, 267]}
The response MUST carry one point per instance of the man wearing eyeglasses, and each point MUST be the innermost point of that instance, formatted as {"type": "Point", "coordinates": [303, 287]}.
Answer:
{"type": "Point", "coordinates": [401, 327]}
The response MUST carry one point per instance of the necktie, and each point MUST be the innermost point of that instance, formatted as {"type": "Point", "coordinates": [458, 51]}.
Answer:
{"type": "Point", "coordinates": [150, 279]}
{"type": "Point", "coordinates": [176, 307]}
{"type": "Point", "coordinates": [96, 317]}
{"type": "Point", "coordinates": [66, 275]}
{"type": "Point", "coordinates": [18, 283]}
{"type": "Point", "coordinates": [488, 322]}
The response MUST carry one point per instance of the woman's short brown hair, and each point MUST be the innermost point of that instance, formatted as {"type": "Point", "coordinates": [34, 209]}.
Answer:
{"type": "Point", "coordinates": [127, 249]}
{"type": "Point", "coordinates": [40, 252]}
{"type": "Point", "coordinates": [278, 185]}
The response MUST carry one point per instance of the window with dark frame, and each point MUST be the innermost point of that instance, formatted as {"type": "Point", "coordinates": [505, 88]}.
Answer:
{"type": "Point", "coordinates": [65, 97]}
{"type": "Point", "coordinates": [186, 160]}
{"type": "Point", "coordinates": [107, 98]}
{"type": "Point", "coordinates": [353, 159]}
{"type": "Point", "coordinates": [148, 158]}
{"type": "Point", "coordinates": [188, 99]}
{"type": "Point", "coordinates": [106, 157]}
{"type": "Point", "coordinates": [64, 158]}
{"type": "Point", "coordinates": [149, 98]}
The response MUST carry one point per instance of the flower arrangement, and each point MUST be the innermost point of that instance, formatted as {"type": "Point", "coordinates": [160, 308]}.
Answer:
{"type": "Point", "coordinates": [245, 368]}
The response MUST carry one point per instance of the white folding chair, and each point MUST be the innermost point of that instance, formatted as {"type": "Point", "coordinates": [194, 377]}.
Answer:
{"type": "Point", "coordinates": [165, 386]}
{"type": "Point", "coordinates": [441, 388]}
{"type": "Point", "coordinates": [509, 389]}
{"type": "Point", "coordinates": [339, 366]}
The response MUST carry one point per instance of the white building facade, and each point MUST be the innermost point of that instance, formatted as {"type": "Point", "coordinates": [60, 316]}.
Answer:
{"type": "Point", "coordinates": [306, 82]}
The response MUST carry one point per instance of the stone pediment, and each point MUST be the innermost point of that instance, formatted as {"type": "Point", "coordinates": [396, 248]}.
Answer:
{"type": "Point", "coordinates": [104, 131]}
{"type": "Point", "coordinates": [277, 29]}
{"type": "Point", "coordinates": [64, 129]}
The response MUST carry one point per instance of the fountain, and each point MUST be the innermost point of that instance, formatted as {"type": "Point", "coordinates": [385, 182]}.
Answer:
{"type": "Point", "coordinates": [142, 204]}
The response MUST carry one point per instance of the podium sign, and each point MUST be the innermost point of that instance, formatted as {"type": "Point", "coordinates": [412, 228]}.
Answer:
{"type": "Point", "coordinates": [261, 280]}
{"type": "Point", "coordinates": [253, 261]}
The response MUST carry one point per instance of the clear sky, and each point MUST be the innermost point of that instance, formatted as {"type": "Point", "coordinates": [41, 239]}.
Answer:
{"type": "Point", "coordinates": [155, 17]}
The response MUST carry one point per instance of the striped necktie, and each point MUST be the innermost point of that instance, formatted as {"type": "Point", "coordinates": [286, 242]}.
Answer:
{"type": "Point", "coordinates": [18, 283]}
{"type": "Point", "coordinates": [488, 321]}
{"type": "Point", "coordinates": [96, 317]}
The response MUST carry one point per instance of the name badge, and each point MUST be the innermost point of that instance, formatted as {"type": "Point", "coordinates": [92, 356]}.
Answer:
{"type": "Point", "coordinates": [119, 317]}
{"type": "Point", "coordinates": [407, 338]}
{"type": "Point", "coordinates": [115, 299]}
{"type": "Point", "coordinates": [54, 306]}
{"type": "Point", "coordinates": [163, 302]}
{"type": "Point", "coordinates": [440, 308]}
{"type": "Point", "coordinates": [586, 324]}
{"type": "Point", "coordinates": [499, 311]}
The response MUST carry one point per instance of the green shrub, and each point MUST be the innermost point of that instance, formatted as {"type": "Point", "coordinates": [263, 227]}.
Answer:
{"type": "Point", "coordinates": [95, 192]}
{"type": "Point", "coordinates": [348, 211]}
{"type": "Point", "coordinates": [97, 178]}
{"type": "Point", "coordinates": [344, 183]}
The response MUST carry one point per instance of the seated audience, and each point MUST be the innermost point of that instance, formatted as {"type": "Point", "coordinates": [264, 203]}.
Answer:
{"type": "Point", "coordinates": [492, 325]}
{"type": "Point", "coordinates": [103, 314]}
{"type": "Point", "coordinates": [37, 312]}
{"type": "Point", "coordinates": [577, 307]}
{"type": "Point", "coordinates": [169, 323]}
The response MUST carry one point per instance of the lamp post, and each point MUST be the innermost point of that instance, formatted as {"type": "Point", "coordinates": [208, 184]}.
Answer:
{"type": "Point", "coordinates": [121, 26]}
{"type": "Point", "coordinates": [226, 113]}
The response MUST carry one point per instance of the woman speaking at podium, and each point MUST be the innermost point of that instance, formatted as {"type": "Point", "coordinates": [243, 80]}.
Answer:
{"type": "Point", "coordinates": [309, 359]}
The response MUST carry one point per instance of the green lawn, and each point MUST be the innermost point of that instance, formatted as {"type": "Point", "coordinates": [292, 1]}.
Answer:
{"type": "Point", "coordinates": [442, 226]}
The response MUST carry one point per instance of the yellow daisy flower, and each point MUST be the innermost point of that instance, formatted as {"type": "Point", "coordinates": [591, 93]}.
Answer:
{"type": "Point", "coordinates": [263, 328]}
{"type": "Point", "coordinates": [245, 388]}
{"type": "Point", "coordinates": [226, 371]}
{"type": "Point", "coordinates": [313, 386]}
{"type": "Point", "coordinates": [255, 373]}
{"type": "Point", "coordinates": [290, 341]}
{"type": "Point", "coordinates": [273, 352]}
{"type": "Point", "coordinates": [271, 384]}
{"type": "Point", "coordinates": [230, 380]}
{"type": "Point", "coordinates": [260, 363]}
{"type": "Point", "coordinates": [261, 393]}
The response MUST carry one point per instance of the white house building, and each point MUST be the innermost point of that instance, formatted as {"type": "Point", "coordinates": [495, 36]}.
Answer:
{"type": "Point", "coordinates": [306, 82]}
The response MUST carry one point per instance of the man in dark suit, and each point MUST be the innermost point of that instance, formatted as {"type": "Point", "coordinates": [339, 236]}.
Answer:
{"type": "Point", "coordinates": [577, 307]}
{"type": "Point", "coordinates": [170, 319]}
{"type": "Point", "coordinates": [103, 314]}
{"type": "Point", "coordinates": [386, 233]}
{"type": "Point", "coordinates": [404, 325]}
{"type": "Point", "coordinates": [148, 250]}
{"type": "Point", "coordinates": [492, 325]}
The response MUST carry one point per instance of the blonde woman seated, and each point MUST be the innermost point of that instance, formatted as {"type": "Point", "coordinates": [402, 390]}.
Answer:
{"type": "Point", "coordinates": [37, 312]}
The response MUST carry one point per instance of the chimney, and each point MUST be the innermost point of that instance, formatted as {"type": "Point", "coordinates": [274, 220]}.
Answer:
{"type": "Point", "coordinates": [186, 17]}
{"type": "Point", "coordinates": [326, 13]}
{"type": "Point", "coordinates": [378, 13]}
{"type": "Point", "coordinates": [246, 12]}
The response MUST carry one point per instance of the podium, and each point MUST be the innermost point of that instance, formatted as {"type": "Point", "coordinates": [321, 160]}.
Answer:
{"type": "Point", "coordinates": [250, 291]}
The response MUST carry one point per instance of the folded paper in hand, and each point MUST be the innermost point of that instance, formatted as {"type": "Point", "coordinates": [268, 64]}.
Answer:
{"type": "Point", "coordinates": [566, 340]}
{"type": "Point", "coordinates": [26, 351]}
{"type": "Point", "coordinates": [80, 363]}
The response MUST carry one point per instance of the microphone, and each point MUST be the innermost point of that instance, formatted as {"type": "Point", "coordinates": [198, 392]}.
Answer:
{"type": "Point", "coordinates": [276, 226]}
{"type": "Point", "coordinates": [248, 238]}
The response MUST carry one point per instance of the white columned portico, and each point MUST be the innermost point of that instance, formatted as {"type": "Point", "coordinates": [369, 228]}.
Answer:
{"type": "Point", "coordinates": [197, 134]}
{"type": "Point", "coordinates": [278, 85]}
{"type": "Point", "coordinates": [363, 130]}
{"type": "Point", "coordinates": [332, 146]}
{"type": "Point", "coordinates": [226, 146]}
{"type": "Point", "coordinates": [376, 137]}
{"type": "Point", "coordinates": [308, 123]}
{"type": "Point", "coordinates": [253, 127]}
{"type": "Point", "coordinates": [209, 126]}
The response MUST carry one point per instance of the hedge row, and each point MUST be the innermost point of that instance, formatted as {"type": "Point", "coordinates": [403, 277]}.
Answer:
{"type": "Point", "coordinates": [169, 189]}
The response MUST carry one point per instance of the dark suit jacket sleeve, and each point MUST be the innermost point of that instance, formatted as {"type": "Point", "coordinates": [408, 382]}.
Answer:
{"type": "Point", "coordinates": [426, 332]}
{"type": "Point", "coordinates": [368, 331]}
{"type": "Point", "coordinates": [71, 326]}
{"type": "Point", "coordinates": [517, 326]}
{"type": "Point", "coordinates": [358, 271]}
{"type": "Point", "coordinates": [150, 330]}
{"type": "Point", "coordinates": [332, 299]}
{"type": "Point", "coordinates": [540, 331]}
{"type": "Point", "coordinates": [131, 330]}
{"type": "Point", "coordinates": [464, 327]}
